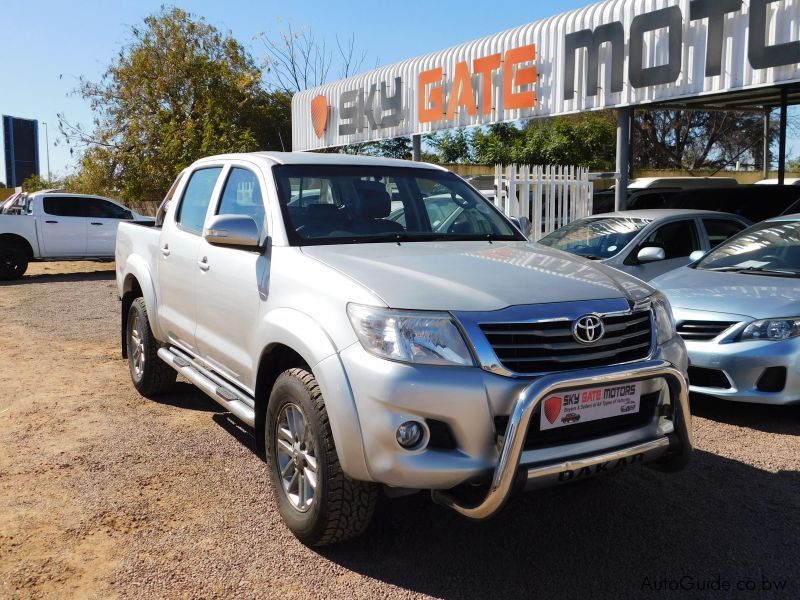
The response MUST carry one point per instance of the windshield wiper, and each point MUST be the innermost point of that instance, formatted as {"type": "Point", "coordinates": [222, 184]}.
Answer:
{"type": "Point", "coordinates": [766, 271]}
{"type": "Point", "coordinates": [757, 271]}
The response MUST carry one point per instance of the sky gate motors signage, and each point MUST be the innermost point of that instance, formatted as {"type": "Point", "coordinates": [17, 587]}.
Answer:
{"type": "Point", "coordinates": [361, 109]}
{"type": "Point", "coordinates": [611, 54]}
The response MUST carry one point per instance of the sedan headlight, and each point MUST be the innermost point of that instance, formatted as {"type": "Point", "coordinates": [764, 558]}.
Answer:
{"type": "Point", "coordinates": [409, 336]}
{"type": "Point", "coordinates": [772, 329]}
{"type": "Point", "coordinates": [665, 321]}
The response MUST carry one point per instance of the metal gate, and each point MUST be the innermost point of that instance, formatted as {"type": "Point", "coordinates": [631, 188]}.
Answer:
{"type": "Point", "coordinates": [549, 196]}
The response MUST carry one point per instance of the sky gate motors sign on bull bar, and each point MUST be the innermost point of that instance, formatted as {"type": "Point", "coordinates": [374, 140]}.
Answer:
{"type": "Point", "coordinates": [610, 54]}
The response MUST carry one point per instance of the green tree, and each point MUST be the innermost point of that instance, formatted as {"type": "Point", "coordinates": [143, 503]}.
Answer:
{"type": "Point", "coordinates": [453, 146]}
{"type": "Point", "coordinates": [587, 140]}
{"type": "Point", "coordinates": [178, 91]}
{"type": "Point", "coordinates": [37, 182]}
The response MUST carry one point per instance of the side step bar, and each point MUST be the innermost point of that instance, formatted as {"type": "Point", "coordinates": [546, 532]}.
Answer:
{"type": "Point", "coordinates": [233, 400]}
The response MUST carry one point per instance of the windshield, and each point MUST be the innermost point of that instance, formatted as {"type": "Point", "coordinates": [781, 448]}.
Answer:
{"type": "Point", "coordinates": [770, 248]}
{"type": "Point", "coordinates": [355, 204]}
{"type": "Point", "coordinates": [595, 238]}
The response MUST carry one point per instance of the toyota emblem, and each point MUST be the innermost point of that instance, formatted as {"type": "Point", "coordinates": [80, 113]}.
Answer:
{"type": "Point", "coordinates": [588, 329]}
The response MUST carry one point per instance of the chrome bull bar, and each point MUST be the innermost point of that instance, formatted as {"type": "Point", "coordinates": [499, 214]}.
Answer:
{"type": "Point", "coordinates": [505, 473]}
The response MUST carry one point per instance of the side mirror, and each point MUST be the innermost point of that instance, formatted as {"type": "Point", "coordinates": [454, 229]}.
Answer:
{"type": "Point", "coordinates": [651, 254]}
{"type": "Point", "coordinates": [696, 255]}
{"type": "Point", "coordinates": [233, 230]}
{"type": "Point", "coordinates": [523, 224]}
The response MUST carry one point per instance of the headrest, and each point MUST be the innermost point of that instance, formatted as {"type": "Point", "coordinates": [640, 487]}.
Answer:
{"type": "Point", "coordinates": [373, 201]}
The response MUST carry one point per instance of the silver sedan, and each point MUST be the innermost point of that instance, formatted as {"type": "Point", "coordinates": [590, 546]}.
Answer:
{"type": "Point", "coordinates": [646, 243]}
{"type": "Point", "coordinates": [738, 310]}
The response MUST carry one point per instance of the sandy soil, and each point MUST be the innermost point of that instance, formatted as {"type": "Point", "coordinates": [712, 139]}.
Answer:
{"type": "Point", "coordinates": [106, 494]}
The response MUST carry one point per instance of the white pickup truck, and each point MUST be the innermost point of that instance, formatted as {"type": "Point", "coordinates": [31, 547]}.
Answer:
{"type": "Point", "coordinates": [53, 225]}
{"type": "Point", "coordinates": [381, 326]}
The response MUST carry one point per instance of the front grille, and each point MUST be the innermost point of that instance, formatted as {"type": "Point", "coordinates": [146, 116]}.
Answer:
{"type": "Point", "coordinates": [535, 438]}
{"type": "Point", "coordinates": [702, 331]}
{"type": "Point", "coordinates": [547, 347]}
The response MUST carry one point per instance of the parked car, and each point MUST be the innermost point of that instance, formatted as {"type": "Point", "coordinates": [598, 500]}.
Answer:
{"type": "Point", "coordinates": [654, 192]}
{"type": "Point", "coordinates": [369, 353]}
{"type": "Point", "coordinates": [754, 202]}
{"type": "Point", "coordinates": [59, 226]}
{"type": "Point", "coordinates": [738, 310]}
{"type": "Point", "coordinates": [645, 243]}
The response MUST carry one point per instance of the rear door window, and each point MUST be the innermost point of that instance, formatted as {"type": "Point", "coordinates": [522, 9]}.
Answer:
{"type": "Point", "coordinates": [719, 230]}
{"type": "Point", "coordinates": [191, 214]}
{"type": "Point", "coordinates": [103, 209]}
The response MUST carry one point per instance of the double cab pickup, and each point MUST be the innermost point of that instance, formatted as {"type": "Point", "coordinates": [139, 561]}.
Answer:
{"type": "Point", "coordinates": [383, 328]}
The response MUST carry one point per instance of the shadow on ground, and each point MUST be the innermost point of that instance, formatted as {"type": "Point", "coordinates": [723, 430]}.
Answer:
{"type": "Point", "coordinates": [612, 537]}
{"type": "Point", "coordinates": [99, 275]}
{"type": "Point", "coordinates": [783, 420]}
{"type": "Point", "coordinates": [719, 522]}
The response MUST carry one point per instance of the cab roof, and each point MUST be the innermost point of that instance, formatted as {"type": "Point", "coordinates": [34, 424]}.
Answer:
{"type": "Point", "coordinates": [319, 158]}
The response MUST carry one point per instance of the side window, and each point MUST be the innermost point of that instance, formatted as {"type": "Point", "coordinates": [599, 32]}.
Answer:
{"type": "Point", "coordinates": [63, 206]}
{"type": "Point", "coordinates": [242, 196]}
{"type": "Point", "coordinates": [192, 212]}
{"type": "Point", "coordinates": [719, 230]}
{"type": "Point", "coordinates": [678, 239]}
{"type": "Point", "coordinates": [102, 209]}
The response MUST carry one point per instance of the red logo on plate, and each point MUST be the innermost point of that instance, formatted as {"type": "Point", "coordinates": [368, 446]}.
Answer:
{"type": "Point", "coordinates": [319, 114]}
{"type": "Point", "coordinates": [552, 408]}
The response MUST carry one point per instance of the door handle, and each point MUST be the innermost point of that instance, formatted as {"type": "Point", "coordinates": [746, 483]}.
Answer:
{"type": "Point", "coordinates": [96, 223]}
{"type": "Point", "coordinates": [203, 264]}
{"type": "Point", "coordinates": [51, 221]}
{"type": "Point", "coordinates": [165, 250]}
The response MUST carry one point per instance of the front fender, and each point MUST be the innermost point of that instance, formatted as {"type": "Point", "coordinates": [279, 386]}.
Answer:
{"type": "Point", "coordinates": [304, 335]}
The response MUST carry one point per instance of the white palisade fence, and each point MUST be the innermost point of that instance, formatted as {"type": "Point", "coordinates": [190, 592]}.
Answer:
{"type": "Point", "coordinates": [549, 196]}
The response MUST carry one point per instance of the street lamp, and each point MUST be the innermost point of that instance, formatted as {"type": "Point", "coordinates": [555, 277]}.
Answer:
{"type": "Point", "coordinates": [47, 149]}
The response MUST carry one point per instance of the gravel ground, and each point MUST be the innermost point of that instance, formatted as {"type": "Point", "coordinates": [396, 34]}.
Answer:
{"type": "Point", "coordinates": [106, 494]}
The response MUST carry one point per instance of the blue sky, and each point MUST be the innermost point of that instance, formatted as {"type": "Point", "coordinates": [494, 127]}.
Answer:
{"type": "Point", "coordinates": [47, 45]}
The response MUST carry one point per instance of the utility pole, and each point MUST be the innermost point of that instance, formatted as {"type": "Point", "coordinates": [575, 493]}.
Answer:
{"type": "Point", "coordinates": [47, 149]}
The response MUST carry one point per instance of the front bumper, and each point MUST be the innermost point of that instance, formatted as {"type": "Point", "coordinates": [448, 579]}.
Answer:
{"type": "Point", "coordinates": [744, 364]}
{"type": "Point", "coordinates": [467, 400]}
{"type": "Point", "coordinates": [675, 438]}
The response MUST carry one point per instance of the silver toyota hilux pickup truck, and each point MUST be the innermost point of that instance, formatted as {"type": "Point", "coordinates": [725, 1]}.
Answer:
{"type": "Point", "coordinates": [384, 328]}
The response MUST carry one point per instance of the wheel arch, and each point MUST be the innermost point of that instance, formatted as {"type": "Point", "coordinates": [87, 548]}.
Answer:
{"type": "Point", "coordinates": [296, 340]}
{"type": "Point", "coordinates": [15, 238]}
{"type": "Point", "coordinates": [136, 283]}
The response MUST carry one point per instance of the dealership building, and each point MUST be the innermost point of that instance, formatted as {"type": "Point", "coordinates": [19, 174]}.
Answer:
{"type": "Point", "coordinates": [617, 54]}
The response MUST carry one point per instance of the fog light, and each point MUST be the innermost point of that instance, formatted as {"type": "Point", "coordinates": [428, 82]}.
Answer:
{"type": "Point", "coordinates": [409, 434]}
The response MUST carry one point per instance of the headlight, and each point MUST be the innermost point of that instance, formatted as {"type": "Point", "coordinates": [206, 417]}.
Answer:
{"type": "Point", "coordinates": [665, 322]}
{"type": "Point", "coordinates": [772, 329]}
{"type": "Point", "coordinates": [408, 336]}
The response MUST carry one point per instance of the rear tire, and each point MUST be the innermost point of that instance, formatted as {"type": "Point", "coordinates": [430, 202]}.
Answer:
{"type": "Point", "coordinates": [13, 261]}
{"type": "Point", "coordinates": [317, 501]}
{"type": "Point", "coordinates": [151, 376]}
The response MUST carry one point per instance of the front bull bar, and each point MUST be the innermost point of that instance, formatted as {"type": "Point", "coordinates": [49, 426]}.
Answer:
{"type": "Point", "coordinates": [505, 472]}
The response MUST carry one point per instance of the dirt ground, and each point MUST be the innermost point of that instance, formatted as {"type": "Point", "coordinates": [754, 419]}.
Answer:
{"type": "Point", "coordinates": [106, 494]}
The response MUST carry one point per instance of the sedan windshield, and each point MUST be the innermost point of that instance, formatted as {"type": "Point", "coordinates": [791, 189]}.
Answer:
{"type": "Point", "coordinates": [354, 204]}
{"type": "Point", "coordinates": [769, 248]}
{"type": "Point", "coordinates": [595, 238]}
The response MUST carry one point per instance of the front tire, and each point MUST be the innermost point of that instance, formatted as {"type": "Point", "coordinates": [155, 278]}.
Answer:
{"type": "Point", "coordinates": [151, 376]}
{"type": "Point", "coordinates": [13, 261]}
{"type": "Point", "coordinates": [316, 500]}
